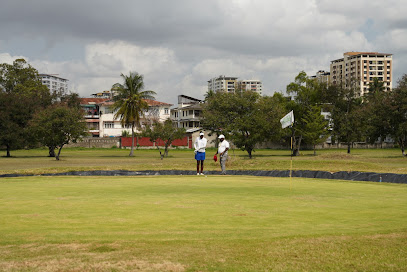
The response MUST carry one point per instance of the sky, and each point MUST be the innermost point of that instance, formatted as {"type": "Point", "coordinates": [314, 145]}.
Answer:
{"type": "Point", "coordinates": [179, 45]}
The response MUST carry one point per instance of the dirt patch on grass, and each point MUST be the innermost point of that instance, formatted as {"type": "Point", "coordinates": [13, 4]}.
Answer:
{"type": "Point", "coordinates": [336, 156]}
{"type": "Point", "coordinates": [66, 264]}
{"type": "Point", "coordinates": [78, 257]}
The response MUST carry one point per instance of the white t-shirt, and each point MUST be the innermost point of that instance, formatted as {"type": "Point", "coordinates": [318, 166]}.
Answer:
{"type": "Point", "coordinates": [200, 144]}
{"type": "Point", "coordinates": [222, 146]}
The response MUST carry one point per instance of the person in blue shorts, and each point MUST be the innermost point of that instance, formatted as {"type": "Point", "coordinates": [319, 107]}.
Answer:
{"type": "Point", "coordinates": [200, 145]}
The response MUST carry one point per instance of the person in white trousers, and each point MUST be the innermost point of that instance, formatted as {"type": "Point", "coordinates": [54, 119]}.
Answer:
{"type": "Point", "coordinates": [223, 153]}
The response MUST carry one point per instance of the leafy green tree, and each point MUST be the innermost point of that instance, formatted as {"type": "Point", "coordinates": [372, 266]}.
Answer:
{"type": "Point", "coordinates": [246, 117]}
{"type": "Point", "coordinates": [377, 106]}
{"type": "Point", "coordinates": [398, 113]}
{"type": "Point", "coordinates": [209, 94]}
{"type": "Point", "coordinates": [307, 93]}
{"type": "Point", "coordinates": [347, 111]}
{"type": "Point", "coordinates": [376, 86]}
{"type": "Point", "coordinates": [58, 125]}
{"type": "Point", "coordinates": [21, 95]}
{"type": "Point", "coordinates": [129, 102]}
{"type": "Point", "coordinates": [315, 127]}
{"type": "Point", "coordinates": [166, 132]}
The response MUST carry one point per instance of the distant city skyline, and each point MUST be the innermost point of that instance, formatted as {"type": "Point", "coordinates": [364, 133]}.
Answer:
{"type": "Point", "coordinates": [179, 45]}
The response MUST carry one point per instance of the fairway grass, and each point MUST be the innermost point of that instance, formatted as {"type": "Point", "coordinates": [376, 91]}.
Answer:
{"type": "Point", "coordinates": [332, 160]}
{"type": "Point", "coordinates": [201, 223]}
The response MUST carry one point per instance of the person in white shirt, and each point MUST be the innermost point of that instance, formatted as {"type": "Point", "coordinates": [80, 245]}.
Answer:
{"type": "Point", "coordinates": [200, 145]}
{"type": "Point", "coordinates": [223, 148]}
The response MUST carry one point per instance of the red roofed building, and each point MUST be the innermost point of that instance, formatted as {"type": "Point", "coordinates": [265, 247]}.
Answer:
{"type": "Point", "coordinates": [110, 127]}
{"type": "Point", "coordinates": [100, 117]}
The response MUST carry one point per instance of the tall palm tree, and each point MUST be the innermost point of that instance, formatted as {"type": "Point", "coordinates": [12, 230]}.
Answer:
{"type": "Point", "coordinates": [129, 102]}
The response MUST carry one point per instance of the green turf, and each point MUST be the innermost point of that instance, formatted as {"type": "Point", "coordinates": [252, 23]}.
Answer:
{"type": "Point", "coordinates": [198, 223]}
{"type": "Point", "coordinates": [333, 160]}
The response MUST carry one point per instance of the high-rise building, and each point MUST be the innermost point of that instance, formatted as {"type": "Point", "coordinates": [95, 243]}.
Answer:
{"type": "Point", "coordinates": [322, 77]}
{"type": "Point", "coordinates": [222, 84]}
{"type": "Point", "coordinates": [230, 84]}
{"type": "Point", "coordinates": [360, 68]}
{"type": "Point", "coordinates": [54, 83]}
{"type": "Point", "coordinates": [251, 85]}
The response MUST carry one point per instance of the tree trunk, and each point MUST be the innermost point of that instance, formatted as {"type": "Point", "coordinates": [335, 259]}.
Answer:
{"type": "Point", "coordinates": [348, 148]}
{"type": "Point", "coordinates": [166, 150]}
{"type": "Point", "coordinates": [401, 144]}
{"type": "Point", "coordinates": [161, 155]}
{"type": "Point", "coordinates": [51, 151]}
{"type": "Point", "coordinates": [296, 151]}
{"type": "Point", "coordinates": [132, 141]}
{"type": "Point", "coordinates": [59, 153]}
{"type": "Point", "coordinates": [249, 151]}
{"type": "Point", "coordinates": [315, 152]}
{"type": "Point", "coordinates": [8, 150]}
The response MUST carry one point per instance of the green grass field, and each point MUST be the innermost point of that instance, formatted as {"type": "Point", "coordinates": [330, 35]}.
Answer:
{"type": "Point", "coordinates": [201, 223]}
{"type": "Point", "coordinates": [333, 160]}
{"type": "Point", "coordinates": [204, 223]}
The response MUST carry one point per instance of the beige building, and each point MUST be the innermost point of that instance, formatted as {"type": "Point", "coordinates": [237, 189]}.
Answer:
{"type": "Point", "coordinates": [253, 85]}
{"type": "Point", "coordinates": [222, 84]}
{"type": "Point", "coordinates": [322, 77]}
{"type": "Point", "coordinates": [230, 84]}
{"type": "Point", "coordinates": [361, 68]}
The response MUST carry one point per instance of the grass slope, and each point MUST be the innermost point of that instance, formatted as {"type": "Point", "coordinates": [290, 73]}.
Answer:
{"type": "Point", "coordinates": [213, 223]}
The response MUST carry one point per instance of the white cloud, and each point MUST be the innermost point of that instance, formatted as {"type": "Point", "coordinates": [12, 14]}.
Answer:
{"type": "Point", "coordinates": [9, 59]}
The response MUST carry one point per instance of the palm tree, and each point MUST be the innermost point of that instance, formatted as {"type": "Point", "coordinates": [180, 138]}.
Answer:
{"type": "Point", "coordinates": [129, 102]}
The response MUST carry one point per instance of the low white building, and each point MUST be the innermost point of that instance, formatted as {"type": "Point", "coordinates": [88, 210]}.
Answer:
{"type": "Point", "coordinates": [111, 127]}
{"type": "Point", "coordinates": [188, 114]}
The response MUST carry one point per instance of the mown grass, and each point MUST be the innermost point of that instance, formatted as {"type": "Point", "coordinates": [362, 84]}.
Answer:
{"type": "Point", "coordinates": [204, 223]}
{"type": "Point", "coordinates": [333, 160]}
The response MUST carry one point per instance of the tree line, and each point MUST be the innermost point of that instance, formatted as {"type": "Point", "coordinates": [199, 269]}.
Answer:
{"type": "Point", "coordinates": [250, 119]}
{"type": "Point", "coordinates": [31, 115]}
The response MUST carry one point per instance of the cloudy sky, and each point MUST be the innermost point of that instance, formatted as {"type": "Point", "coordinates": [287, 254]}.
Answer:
{"type": "Point", "coordinates": [179, 45]}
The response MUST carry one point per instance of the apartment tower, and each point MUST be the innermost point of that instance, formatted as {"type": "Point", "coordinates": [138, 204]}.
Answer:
{"type": "Point", "coordinates": [54, 83]}
{"type": "Point", "coordinates": [222, 84]}
{"type": "Point", "coordinates": [360, 68]}
{"type": "Point", "coordinates": [230, 84]}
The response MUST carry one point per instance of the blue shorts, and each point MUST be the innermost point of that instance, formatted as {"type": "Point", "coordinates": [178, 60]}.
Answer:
{"type": "Point", "coordinates": [200, 156]}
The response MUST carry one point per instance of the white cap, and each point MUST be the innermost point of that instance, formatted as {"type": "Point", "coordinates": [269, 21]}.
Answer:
{"type": "Point", "coordinates": [221, 136]}
{"type": "Point", "coordinates": [201, 133]}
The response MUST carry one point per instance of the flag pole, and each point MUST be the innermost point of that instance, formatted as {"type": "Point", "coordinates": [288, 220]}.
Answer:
{"type": "Point", "coordinates": [288, 121]}
{"type": "Point", "coordinates": [291, 160]}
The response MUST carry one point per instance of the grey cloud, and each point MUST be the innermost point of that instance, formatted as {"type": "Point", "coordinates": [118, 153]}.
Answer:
{"type": "Point", "coordinates": [284, 36]}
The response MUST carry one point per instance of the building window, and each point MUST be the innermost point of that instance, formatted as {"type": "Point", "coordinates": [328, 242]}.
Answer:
{"type": "Point", "coordinates": [109, 125]}
{"type": "Point", "coordinates": [166, 111]}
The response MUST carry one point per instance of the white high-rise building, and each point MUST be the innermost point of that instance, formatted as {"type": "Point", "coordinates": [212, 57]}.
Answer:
{"type": "Point", "coordinates": [361, 68]}
{"type": "Point", "coordinates": [222, 84]}
{"type": "Point", "coordinates": [230, 84]}
{"type": "Point", "coordinates": [54, 83]}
